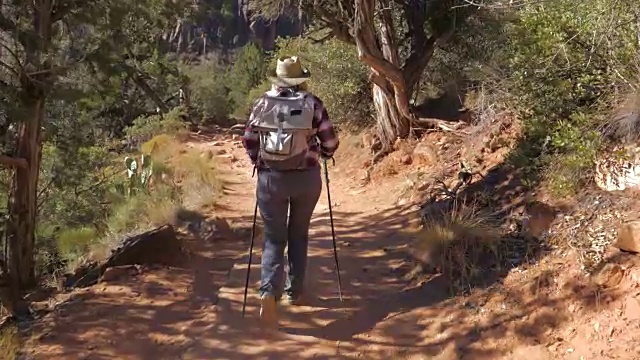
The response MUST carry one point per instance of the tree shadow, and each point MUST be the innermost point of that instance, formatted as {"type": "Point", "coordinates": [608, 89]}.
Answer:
{"type": "Point", "coordinates": [195, 312]}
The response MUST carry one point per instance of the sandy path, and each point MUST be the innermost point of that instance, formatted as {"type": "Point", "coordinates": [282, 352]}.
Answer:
{"type": "Point", "coordinates": [195, 312]}
{"type": "Point", "coordinates": [178, 313]}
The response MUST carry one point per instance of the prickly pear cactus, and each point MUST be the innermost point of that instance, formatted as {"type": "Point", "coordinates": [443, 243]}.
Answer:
{"type": "Point", "coordinates": [139, 176]}
{"type": "Point", "coordinates": [146, 172]}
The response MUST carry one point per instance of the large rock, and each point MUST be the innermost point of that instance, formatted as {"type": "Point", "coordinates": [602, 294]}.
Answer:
{"type": "Point", "coordinates": [158, 246]}
{"type": "Point", "coordinates": [538, 218]}
{"type": "Point", "coordinates": [617, 173]}
{"type": "Point", "coordinates": [629, 237]}
{"type": "Point", "coordinates": [609, 276]}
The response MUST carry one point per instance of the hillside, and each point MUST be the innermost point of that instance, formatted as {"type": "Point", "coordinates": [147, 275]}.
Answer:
{"type": "Point", "coordinates": [544, 308]}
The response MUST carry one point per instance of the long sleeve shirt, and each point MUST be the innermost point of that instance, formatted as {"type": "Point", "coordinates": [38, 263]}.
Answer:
{"type": "Point", "coordinates": [324, 143]}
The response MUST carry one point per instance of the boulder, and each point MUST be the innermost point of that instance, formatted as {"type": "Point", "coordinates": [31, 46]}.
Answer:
{"type": "Point", "coordinates": [629, 237]}
{"type": "Point", "coordinates": [609, 276]}
{"type": "Point", "coordinates": [158, 246]}
{"type": "Point", "coordinates": [538, 218]}
{"type": "Point", "coordinates": [119, 272]}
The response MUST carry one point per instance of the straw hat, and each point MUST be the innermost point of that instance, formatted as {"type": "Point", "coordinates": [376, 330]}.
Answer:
{"type": "Point", "coordinates": [289, 72]}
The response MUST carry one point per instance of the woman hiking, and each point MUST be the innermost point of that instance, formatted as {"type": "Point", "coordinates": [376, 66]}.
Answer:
{"type": "Point", "coordinates": [287, 132]}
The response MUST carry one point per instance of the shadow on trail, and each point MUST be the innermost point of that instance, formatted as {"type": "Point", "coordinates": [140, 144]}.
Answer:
{"type": "Point", "coordinates": [381, 313]}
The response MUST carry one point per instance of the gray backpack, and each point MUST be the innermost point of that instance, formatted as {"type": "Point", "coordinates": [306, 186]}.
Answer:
{"type": "Point", "coordinates": [285, 126]}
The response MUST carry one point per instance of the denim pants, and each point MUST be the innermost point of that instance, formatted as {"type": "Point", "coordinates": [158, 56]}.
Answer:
{"type": "Point", "coordinates": [282, 195]}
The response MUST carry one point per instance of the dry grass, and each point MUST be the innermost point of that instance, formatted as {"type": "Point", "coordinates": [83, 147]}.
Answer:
{"type": "Point", "coordinates": [457, 242]}
{"type": "Point", "coordinates": [624, 123]}
{"type": "Point", "coordinates": [10, 342]}
{"type": "Point", "coordinates": [183, 179]}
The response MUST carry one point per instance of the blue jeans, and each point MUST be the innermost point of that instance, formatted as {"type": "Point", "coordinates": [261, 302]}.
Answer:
{"type": "Point", "coordinates": [282, 195]}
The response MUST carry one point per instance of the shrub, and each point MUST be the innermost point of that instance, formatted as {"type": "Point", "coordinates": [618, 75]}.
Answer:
{"type": "Point", "coordinates": [145, 127]}
{"type": "Point", "coordinates": [75, 244]}
{"type": "Point", "coordinates": [567, 64]}
{"type": "Point", "coordinates": [209, 90]}
{"type": "Point", "coordinates": [457, 242]}
{"type": "Point", "coordinates": [247, 72]}
{"type": "Point", "coordinates": [10, 342]}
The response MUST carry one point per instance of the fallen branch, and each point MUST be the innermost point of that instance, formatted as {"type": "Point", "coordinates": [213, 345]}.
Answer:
{"type": "Point", "coordinates": [13, 162]}
{"type": "Point", "coordinates": [450, 126]}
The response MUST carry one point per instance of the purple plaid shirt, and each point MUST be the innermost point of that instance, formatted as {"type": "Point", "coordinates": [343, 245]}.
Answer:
{"type": "Point", "coordinates": [324, 143]}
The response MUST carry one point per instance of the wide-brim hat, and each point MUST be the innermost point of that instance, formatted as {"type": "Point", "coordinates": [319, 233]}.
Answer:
{"type": "Point", "coordinates": [289, 72]}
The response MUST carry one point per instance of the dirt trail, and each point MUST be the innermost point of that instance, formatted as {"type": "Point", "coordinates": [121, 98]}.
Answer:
{"type": "Point", "coordinates": [194, 312]}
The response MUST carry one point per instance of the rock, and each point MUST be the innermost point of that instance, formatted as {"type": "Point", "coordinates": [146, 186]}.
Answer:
{"type": "Point", "coordinates": [221, 152]}
{"type": "Point", "coordinates": [609, 276]}
{"type": "Point", "coordinates": [119, 272]}
{"type": "Point", "coordinates": [629, 237]}
{"type": "Point", "coordinates": [218, 143]}
{"type": "Point", "coordinates": [617, 174]}
{"type": "Point", "coordinates": [538, 218]}
{"type": "Point", "coordinates": [158, 246]}
{"type": "Point", "coordinates": [406, 160]}
{"type": "Point", "coordinates": [495, 144]}
{"type": "Point", "coordinates": [632, 308]}
{"type": "Point", "coordinates": [235, 137]}
{"type": "Point", "coordinates": [426, 153]}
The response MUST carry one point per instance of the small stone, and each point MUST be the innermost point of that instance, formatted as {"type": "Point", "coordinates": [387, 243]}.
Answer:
{"type": "Point", "coordinates": [221, 152]}
{"type": "Point", "coordinates": [406, 160]}
{"type": "Point", "coordinates": [235, 137]}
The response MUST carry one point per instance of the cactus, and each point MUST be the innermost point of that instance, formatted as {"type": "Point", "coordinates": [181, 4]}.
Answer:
{"type": "Point", "coordinates": [139, 177]}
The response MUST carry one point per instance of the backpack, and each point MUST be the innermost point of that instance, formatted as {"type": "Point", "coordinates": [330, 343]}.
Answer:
{"type": "Point", "coordinates": [285, 128]}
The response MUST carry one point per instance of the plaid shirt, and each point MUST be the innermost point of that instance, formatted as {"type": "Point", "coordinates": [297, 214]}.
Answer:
{"type": "Point", "coordinates": [324, 143]}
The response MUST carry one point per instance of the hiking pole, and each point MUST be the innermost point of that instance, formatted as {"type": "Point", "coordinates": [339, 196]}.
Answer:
{"type": "Point", "coordinates": [333, 232]}
{"type": "Point", "coordinates": [253, 235]}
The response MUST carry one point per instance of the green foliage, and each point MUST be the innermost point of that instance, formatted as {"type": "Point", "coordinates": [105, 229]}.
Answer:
{"type": "Point", "coordinates": [73, 195]}
{"type": "Point", "coordinates": [74, 243]}
{"type": "Point", "coordinates": [146, 127]}
{"type": "Point", "coordinates": [209, 90]}
{"type": "Point", "coordinates": [567, 61]}
{"type": "Point", "coordinates": [137, 182]}
{"type": "Point", "coordinates": [247, 72]}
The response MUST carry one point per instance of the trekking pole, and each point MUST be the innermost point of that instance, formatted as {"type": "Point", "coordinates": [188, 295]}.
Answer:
{"type": "Point", "coordinates": [333, 232]}
{"type": "Point", "coordinates": [246, 282]}
{"type": "Point", "coordinates": [253, 236]}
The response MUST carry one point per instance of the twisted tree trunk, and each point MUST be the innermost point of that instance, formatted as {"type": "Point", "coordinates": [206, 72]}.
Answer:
{"type": "Point", "coordinates": [393, 82]}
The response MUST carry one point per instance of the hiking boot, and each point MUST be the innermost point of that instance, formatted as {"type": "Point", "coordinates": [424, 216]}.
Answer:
{"type": "Point", "coordinates": [268, 314]}
{"type": "Point", "coordinates": [292, 299]}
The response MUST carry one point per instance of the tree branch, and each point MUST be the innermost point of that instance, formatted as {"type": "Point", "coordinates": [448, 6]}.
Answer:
{"type": "Point", "coordinates": [13, 162]}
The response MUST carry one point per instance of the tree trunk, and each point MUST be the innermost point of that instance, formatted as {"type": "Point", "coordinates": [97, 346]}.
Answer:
{"type": "Point", "coordinates": [269, 36]}
{"type": "Point", "coordinates": [23, 199]}
{"type": "Point", "coordinates": [390, 122]}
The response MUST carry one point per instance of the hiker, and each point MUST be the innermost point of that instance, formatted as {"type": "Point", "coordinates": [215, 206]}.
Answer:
{"type": "Point", "coordinates": [287, 132]}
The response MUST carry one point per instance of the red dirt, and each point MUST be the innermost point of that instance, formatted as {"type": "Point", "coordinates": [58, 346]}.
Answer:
{"type": "Point", "coordinates": [543, 311]}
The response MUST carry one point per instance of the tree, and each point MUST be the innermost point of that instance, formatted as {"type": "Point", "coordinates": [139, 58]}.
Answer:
{"type": "Point", "coordinates": [396, 39]}
{"type": "Point", "coordinates": [40, 42]}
